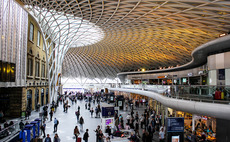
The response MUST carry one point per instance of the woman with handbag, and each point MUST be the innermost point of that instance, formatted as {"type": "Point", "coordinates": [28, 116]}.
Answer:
{"type": "Point", "coordinates": [76, 132]}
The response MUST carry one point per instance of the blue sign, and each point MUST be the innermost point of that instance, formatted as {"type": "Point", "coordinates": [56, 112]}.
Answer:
{"type": "Point", "coordinates": [175, 124]}
{"type": "Point", "coordinates": [107, 111]}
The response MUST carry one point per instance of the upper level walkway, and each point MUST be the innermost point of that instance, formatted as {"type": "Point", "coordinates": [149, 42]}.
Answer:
{"type": "Point", "coordinates": [201, 93]}
{"type": "Point", "coordinates": [198, 104]}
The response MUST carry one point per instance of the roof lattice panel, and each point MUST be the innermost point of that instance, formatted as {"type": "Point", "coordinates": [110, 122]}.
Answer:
{"type": "Point", "coordinates": [137, 33]}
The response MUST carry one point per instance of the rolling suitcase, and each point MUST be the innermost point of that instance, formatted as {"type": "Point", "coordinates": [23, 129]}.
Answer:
{"type": "Point", "coordinates": [79, 139]}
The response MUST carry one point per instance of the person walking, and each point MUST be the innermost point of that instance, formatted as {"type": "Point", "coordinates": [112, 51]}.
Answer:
{"type": "Point", "coordinates": [91, 111]}
{"type": "Point", "coordinates": [43, 128]}
{"type": "Point", "coordinates": [162, 135]}
{"type": "Point", "coordinates": [51, 115]}
{"type": "Point", "coordinates": [86, 135]}
{"type": "Point", "coordinates": [85, 105]}
{"type": "Point", "coordinates": [97, 132]}
{"type": "Point", "coordinates": [76, 132]}
{"type": "Point", "coordinates": [100, 136]}
{"type": "Point", "coordinates": [48, 139]}
{"type": "Point", "coordinates": [45, 115]}
{"type": "Point", "coordinates": [77, 113]}
{"type": "Point", "coordinates": [56, 122]}
{"type": "Point", "coordinates": [56, 138]}
{"type": "Point", "coordinates": [21, 125]}
{"type": "Point", "coordinates": [28, 113]}
{"type": "Point", "coordinates": [81, 122]}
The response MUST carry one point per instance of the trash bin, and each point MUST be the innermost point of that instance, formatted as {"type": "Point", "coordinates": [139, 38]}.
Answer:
{"type": "Point", "coordinates": [23, 114]}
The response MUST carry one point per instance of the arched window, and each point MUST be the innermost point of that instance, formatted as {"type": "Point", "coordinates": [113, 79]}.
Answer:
{"type": "Point", "coordinates": [30, 63]}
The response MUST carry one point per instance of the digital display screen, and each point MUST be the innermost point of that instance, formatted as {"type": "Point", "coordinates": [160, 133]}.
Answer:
{"type": "Point", "coordinates": [108, 122]}
{"type": "Point", "coordinates": [176, 124]}
{"type": "Point", "coordinates": [175, 138]}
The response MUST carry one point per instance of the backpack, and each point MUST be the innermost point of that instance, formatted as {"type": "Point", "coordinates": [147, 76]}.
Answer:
{"type": "Point", "coordinates": [84, 137]}
{"type": "Point", "coordinates": [57, 122]}
{"type": "Point", "coordinates": [81, 121]}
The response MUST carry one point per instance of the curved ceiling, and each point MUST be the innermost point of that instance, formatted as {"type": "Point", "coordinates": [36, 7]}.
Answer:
{"type": "Point", "coordinates": [138, 33]}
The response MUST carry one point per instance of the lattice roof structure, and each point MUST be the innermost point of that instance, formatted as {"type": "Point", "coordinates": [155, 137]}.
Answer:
{"type": "Point", "coordinates": [101, 38]}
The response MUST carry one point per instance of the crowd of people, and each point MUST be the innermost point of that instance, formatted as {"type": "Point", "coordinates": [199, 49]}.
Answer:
{"type": "Point", "coordinates": [141, 125]}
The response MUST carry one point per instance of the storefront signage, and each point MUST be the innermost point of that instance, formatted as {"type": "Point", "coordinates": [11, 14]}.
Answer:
{"type": "Point", "coordinates": [162, 77]}
{"type": "Point", "coordinates": [175, 124]}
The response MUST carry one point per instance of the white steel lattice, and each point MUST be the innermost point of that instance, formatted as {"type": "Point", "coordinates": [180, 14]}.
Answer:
{"type": "Point", "coordinates": [131, 34]}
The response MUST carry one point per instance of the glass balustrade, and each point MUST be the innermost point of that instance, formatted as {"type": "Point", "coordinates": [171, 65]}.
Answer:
{"type": "Point", "coordinates": [204, 93]}
{"type": "Point", "coordinates": [9, 131]}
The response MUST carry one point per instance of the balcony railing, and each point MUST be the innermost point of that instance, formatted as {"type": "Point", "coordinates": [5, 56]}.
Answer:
{"type": "Point", "coordinates": [203, 93]}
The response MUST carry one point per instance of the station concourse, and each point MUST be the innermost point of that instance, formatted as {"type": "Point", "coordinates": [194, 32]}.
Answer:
{"type": "Point", "coordinates": [148, 70]}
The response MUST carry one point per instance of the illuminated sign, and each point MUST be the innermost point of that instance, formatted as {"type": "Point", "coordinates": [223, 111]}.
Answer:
{"type": "Point", "coordinates": [162, 77]}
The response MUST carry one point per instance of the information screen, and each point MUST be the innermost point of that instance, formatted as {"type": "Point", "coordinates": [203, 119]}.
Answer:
{"type": "Point", "coordinates": [175, 124]}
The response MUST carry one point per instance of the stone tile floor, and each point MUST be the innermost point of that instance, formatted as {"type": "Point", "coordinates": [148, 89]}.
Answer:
{"type": "Point", "coordinates": [68, 121]}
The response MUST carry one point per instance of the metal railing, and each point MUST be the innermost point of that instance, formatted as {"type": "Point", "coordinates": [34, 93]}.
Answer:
{"type": "Point", "coordinates": [9, 132]}
{"type": "Point", "coordinates": [201, 93]}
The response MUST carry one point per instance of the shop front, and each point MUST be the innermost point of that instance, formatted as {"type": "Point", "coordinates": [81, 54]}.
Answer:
{"type": "Point", "coordinates": [203, 125]}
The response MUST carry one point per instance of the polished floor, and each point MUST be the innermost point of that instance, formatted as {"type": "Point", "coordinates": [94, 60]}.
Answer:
{"type": "Point", "coordinates": [68, 121]}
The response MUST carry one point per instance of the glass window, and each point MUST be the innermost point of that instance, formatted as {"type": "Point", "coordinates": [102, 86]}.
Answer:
{"type": "Point", "coordinates": [43, 70]}
{"type": "Point", "coordinates": [30, 67]}
{"type": "Point", "coordinates": [31, 37]}
{"type": "Point", "coordinates": [38, 40]}
{"type": "Point", "coordinates": [37, 69]}
{"type": "Point", "coordinates": [221, 74]}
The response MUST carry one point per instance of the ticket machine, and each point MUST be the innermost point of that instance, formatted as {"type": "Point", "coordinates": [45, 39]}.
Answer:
{"type": "Point", "coordinates": [28, 132]}
{"type": "Point", "coordinates": [35, 128]}
{"type": "Point", "coordinates": [39, 120]}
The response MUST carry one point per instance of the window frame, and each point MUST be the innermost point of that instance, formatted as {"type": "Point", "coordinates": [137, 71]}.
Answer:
{"type": "Point", "coordinates": [37, 68]}
{"type": "Point", "coordinates": [31, 35]}
{"type": "Point", "coordinates": [43, 75]}
{"type": "Point", "coordinates": [39, 39]}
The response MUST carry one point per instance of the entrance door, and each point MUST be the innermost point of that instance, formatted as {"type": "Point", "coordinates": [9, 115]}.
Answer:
{"type": "Point", "coordinates": [42, 97]}
{"type": "Point", "coordinates": [29, 99]}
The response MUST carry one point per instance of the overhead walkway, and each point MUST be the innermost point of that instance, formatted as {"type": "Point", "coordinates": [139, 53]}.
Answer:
{"type": "Point", "coordinates": [201, 93]}
{"type": "Point", "coordinates": [216, 110]}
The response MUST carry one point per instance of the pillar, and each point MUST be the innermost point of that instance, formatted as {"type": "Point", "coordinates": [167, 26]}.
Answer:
{"type": "Point", "coordinates": [193, 121]}
{"type": "Point", "coordinates": [166, 112]}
